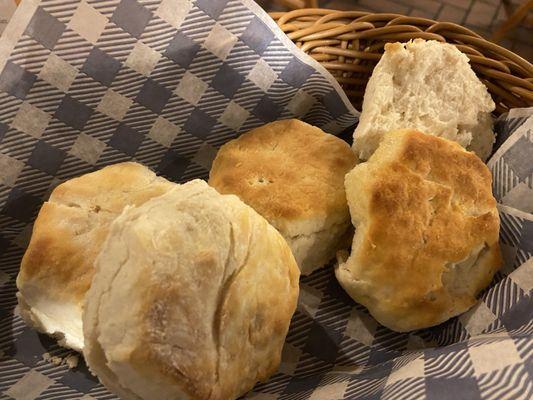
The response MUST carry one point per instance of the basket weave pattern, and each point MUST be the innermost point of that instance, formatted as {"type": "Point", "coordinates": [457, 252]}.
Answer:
{"type": "Point", "coordinates": [350, 43]}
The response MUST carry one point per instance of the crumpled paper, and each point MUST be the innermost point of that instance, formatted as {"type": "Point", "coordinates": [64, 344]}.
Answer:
{"type": "Point", "coordinates": [88, 83]}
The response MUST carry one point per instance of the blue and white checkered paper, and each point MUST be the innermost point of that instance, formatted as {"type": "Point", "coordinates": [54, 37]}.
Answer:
{"type": "Point", "coordinates": [88, 83]}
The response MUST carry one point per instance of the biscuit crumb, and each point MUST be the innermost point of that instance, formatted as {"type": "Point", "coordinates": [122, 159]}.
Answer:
{"type": "Point", "coordinates": [52, 359]}
{"type": "Point", "coordinates": [71, 360]}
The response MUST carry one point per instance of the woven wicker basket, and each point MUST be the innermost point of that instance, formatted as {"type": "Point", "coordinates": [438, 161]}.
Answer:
{"type": "Point", "coordinates": [350, 43]}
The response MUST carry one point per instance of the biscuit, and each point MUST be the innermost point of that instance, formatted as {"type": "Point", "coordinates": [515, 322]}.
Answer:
{"type": "Point", "coordinates": [57, 268]}
{"type": "Point", "coordinates": [192, 298]}
{"type": "Point", "coordinates": [292, 174]}
{"type": "Point", "coordinates": [428, 86]}
{"type": "Point", "coordinates": [426, 239]}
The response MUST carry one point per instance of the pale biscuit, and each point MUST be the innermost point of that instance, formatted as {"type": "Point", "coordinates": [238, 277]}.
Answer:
{"type": "Point", "coordinates": [429, 86]}
{"type": "Point", "coordinates": [192, 298]}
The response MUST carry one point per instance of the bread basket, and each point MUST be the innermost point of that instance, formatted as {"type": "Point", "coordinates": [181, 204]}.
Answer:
{"type": "Point", "coordinates": [350, 43]}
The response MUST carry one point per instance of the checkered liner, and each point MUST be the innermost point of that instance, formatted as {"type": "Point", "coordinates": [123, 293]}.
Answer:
{"type": "Point", "coordinates": [85, 84]}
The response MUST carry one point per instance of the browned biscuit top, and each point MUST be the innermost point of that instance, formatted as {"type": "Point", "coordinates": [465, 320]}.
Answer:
{"type": "Point", "coordinates": [426, 231]}
{"type": "Point", "coordinates": [287, 171]}
{"type": "Point", "coordinates": [73, 223]}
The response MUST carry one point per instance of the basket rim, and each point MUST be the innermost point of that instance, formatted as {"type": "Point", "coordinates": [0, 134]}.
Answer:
{"type": "Point", "coordinates": [280, 17]}
{"type": "Point", "coordinates": [349, 43]}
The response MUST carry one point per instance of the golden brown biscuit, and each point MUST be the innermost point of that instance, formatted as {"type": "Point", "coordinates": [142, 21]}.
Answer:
{"type": "Point", "coordinates": [427, 226]}
{"type": "Point", "coordinates": [57, 268]}
{"type": "Point", "coordinates": [192, 298]}
{"type": "Point", "coordinates": [292, 173]}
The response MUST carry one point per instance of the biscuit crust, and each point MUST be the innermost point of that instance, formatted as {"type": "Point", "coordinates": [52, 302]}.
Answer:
{"type": "Point", "coordinates": [427, 227]}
